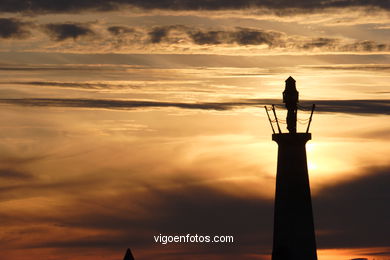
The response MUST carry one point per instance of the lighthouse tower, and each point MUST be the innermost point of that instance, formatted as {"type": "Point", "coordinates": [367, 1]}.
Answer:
{"type": "Point", "coordinates": [294, 237]}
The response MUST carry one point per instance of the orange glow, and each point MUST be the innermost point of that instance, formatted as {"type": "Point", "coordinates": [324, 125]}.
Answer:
{"type": "Point", "coordinates": [343, 254]}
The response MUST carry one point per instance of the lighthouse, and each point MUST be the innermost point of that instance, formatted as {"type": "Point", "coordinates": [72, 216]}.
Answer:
{"type": "Point", "coordinates": [294, 236]}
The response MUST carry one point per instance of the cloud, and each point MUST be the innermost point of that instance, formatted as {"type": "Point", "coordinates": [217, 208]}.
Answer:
{"type": "Point", "coordinates": [209, 37]}
{"type": "Point", "coordinates": [320, 42]}
{"type": "Point", "coordinates": [13, 174]}
{"type": "Point", "coordinates": [120, 104]}
{"type": "Point", "coordinates": [384, 253]}
{"type": "Point", "coordinates": [255, 37]}
{"type": "Point", "coordinates": [11, 28]}
{"type": "Point", "coordinates": [367, 46]}
{"type": "Point", "coordinates": [120, 30]}
{"type": "Point", "coordinates": [45, 6]}
{"type": "Point", "coordinates": [186, 208]}
{"type": "Point", "coordinates": [158, 34]}
{"type": "Point", "coordinates": [65, 67]}
{"type": "Point", "coordinates": [184, 39]}
{"type": "Point", "coordinates": [241, 36]}
{"type": "Point", "coordinates": [374, 106]}
{"type": "Point", "coordinates": [369, 67]}
{"type": "Point", "coordinates": [379, 106]}
{"type": "Point", "coordinates": [74, 85]}
{"type": "Point", "coordinates": [63, 31]}
{"type": "Point", "coordinates": [19, 160]}
{"type": "Point", "coordinates": [362, 211]}
{"type": "Point", "coordinates": [29, 185]}
{"type": "Point", "coordinates": [245, 36]}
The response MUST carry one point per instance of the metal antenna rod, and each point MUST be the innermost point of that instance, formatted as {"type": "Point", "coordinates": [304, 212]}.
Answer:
{"type": "Point", "coordinates": [270, 122]}
{"type": "Point", "coordinates": [276, 118]}
{"type": "Point", "coordinates": [311, 115]}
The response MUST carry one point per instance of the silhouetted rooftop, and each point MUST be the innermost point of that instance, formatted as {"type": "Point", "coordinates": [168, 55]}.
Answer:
{"type": "Point", "coordinates": [290, 79]}
{"type": "Point", "coordinates": [129, 255]}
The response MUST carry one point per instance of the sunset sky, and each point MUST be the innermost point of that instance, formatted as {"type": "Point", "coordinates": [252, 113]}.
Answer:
{"type": "Point", "coordinates": [126, 119]}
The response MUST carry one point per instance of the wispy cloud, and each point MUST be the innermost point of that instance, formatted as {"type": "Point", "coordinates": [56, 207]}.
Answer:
{"type": "Point", "coordinates": [325, 106]}
{"type": "Point", "coordinates": [182, 39]}
{"type": "Point", "coordinates": [63, 31]}
{"type": "Point", "coordinates": [276, 40]}
{"type": "Point", "coordinates": [14, 28]}
{"type": "Point", "coordinates": [8, 173]}
{"type": "Point", "coordinates": [241, 36]}
{"type": "Point", "coordinates": [120, 30]}
{"type": "Point", "coordinates": [74, 85]}
{"type": "Point", "coordinates": [123, 104]}
{"type": "Point", "coordinates": [367, 67]}
{"type": "Point", "coordinates": [178, 38]}
{"type": "Point", "coordinates": [368, 106]}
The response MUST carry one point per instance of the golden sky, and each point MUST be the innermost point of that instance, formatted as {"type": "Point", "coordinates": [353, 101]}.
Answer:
{"type": "Point", "coordinates": [125, 119]}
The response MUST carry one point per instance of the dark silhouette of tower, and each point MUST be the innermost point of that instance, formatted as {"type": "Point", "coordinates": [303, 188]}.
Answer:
{"type": "Point", "coordinates": [129, 255]}
{"type": "Point", "coordinates": [294, 237]}
{"type": "Point", "coordinates": [290, 98]}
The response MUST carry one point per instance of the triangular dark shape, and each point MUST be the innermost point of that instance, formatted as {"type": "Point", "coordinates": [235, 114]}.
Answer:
{"type": "Point", "coordinates": [290, 79]}
{"type": "Point", "coordinates": [129, 255]}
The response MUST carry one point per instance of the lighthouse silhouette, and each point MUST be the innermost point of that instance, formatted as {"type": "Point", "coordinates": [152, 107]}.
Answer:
{"type": "Point", "coordinates": [294, 237]}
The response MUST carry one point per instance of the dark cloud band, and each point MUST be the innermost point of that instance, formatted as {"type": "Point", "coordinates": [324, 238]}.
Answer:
{"type": "Point", "coordinates": [107, 5]}
{"type": "Point", "coordinates": [380, 107]}
{"type": "Point", "coordinates": [75, 85]}
{"type": "Point", "coordinates": [250, 36]}
{"type": "Point", "coordinates": [181, 34]}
